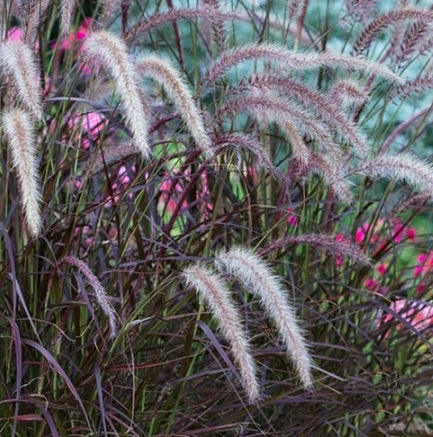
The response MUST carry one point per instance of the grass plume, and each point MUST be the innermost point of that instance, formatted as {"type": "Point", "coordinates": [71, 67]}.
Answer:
{"type": "Point", "coordinates": [320, 103]}
{"type": "Point", "coordinates": [392, 17]}
{"type": "Point", "coordinates": [112, 53]}
{"type": "Point", "coordinates": [212, 289]}
{"type": "Point", "coordinates": [18, 127]}
{"type": "Point", "coordinates": [403, 167]}
{"type": "Point", "coordinates": [289, 59]}
{"type": "Point", "coordinates": [67, 9]}
{"type": "Point", "coordinates": [167, 76]}
{"type": "Point", "coordinates": [259, 280]}
{"type": "Point", "coordinates": [326, 242]}
{"type": "Point", "coordinates": [100, 293]}
{"type": "Point", "coordinates": [177, 14]}
{"type": "Point", "coordinates": [272, 108]}
{"type": "Point", "coordinates": [18, 61]}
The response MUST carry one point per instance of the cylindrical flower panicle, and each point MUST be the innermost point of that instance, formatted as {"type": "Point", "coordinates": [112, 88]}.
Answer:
{"type": "Point", "coordinates": [163, 72]}
{"type": "Point", "coordinates": [100, 293]}
{"type": "Point", "coordinates": [259, 280]}
{"type": "Point", "coordinates": [18, 61]}
{"type": "Point", "coordinates": [212, 289]}
{"type": "Point", "coordinates": [112, 53]}
{"type": "Point", "coordinates": [18, 127]}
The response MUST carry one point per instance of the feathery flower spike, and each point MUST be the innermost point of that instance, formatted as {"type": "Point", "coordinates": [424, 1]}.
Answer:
{"type": "Point", "coordinates": [17, 60]}
{"type": "Point", "coordinates": [259, 280]}
{"type": "Point", "coordinates": [112, 53]}
{"type": "Point", "coordinates": [33, 14]}
{"type": "Point", "coordinates": [67, 8]}
{"type": "Point", "coordinates": [402, 166]}
{"type": "Point", "coordinates": [100, 293]}
{"type": "Point", "coordinates": [163, 72]}
{"type": "Point", "coordinates": [212, 289]}
{"type": "Point", "coordinates": [17, 125]}
{"type": "Point", "coordinates": [295, 61]}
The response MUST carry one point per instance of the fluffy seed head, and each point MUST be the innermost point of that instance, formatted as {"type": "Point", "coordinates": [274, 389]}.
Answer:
{"type": "Point", "coordinates": [164, 73]}
{"type": "Point", "coordinates": [265, 106]}
{"type": "Point", "coordinates": [33, 14]}
{"type": "Point", "coordinates": [100, 293]}
{"type": "Point", "coordinates": [326, 242]}
{"type": "Point", "coordinates": [295, 61]}
{"type": "Point", "coordinates": [17, 125]}
{"type": "Point", "coordinates": [67, 8]}
{"type": "Point", "coordinates": [212, 290]}
{"type": "Point", "coordinates": [112, 53]}
{"type": "Point", "coordinates": [259, 280]}
{"type": "Point", "coordinates": [403, 167]}
{"type": "Point", "coordinates": [309, 98]}
{"type": "Point", "coordinates": [18, 61]}
{"type": "Point", "coordinates": [332, 168]}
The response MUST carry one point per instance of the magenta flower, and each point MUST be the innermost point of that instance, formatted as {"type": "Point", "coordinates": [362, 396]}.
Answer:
{"type": "Point", "coordinates": [371, 284]}
{"type": "Point", "coordinates": [341, 238]}
{"type": "Point", "coordinates": [70, 41]}
{"type": "Point", "coordinates": [15, 34]}
{"type": "Point", "coordinates": [172, 189]}
{"type": "Point", "coordinates": [120, 183]}
{"type": "Point", "coordinates": [382, 269]}
{"type": "Point", "coordinates": [89, 126]}
{"type": "Point", "coordinates": [425, 264]}
{"type": "Point", "coordinates": [418, 313]}
{"type": "Point", "coordinates": [292, 219]}
{"type": "Point", "coordinates": [75, 40]}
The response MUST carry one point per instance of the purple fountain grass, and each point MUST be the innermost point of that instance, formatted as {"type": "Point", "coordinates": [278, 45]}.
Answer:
{"type": "Point", "coordinates": [311, 98]}
{"type": "Point", "coordinates": [347, 91]}
{"type": "Point", "coordinates": [112, 53]}
{"type": "Point", "coordinates": [276, 109]}
{"type": "Point", "coordinates": [34, 14]}
{"type": "Point", "coordinates": [217, 24]}
{"type": "Point", "coordinates": [100, 293]}
{"type": "Point", "coordinates": [18, 128]}
{"type": "Point", "coordinates": [392, 17]}
{"type": "Point", "coordinates": [289, 59]}
{"type": "Point", "coordinates": [18, 61]}
{"type": "Point", "coordinates": [213, 290]}
{"type": "Point", "coordinates": [67, 9]}
{"type": "Point", "coordinates": [415, 86]}
{"type": "Point", "coordinates": [166, 75]}
{"type": "Point", "coordinates": [252, 145]}
{"type": "Point", "coordinates": [414, 36]}
{"type": "Point", "coordinates": [403, 167]}
{"type": "Point", "coordinates": [333, 171]}
{"type": "Point", "coordinates": [326, 242]}
{"type": "Point", "coordinates": [178, 14]}
{"type": "Point", "coordinates": [361, 10]}
{"type": "Point", "coordinates": [259, 280]}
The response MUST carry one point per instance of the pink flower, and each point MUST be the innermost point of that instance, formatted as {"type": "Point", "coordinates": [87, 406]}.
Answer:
{"type": "Point", "coordinates": [381, 269]}
{"type": "Point", "coordinates": [341, 238]}
{"type": "Point", "coordinates": [418, 313]}
{"type": "Point", "coordinates": [120, 183]}
{"type": "Point", "coordinates": [360, 233]}
{"type": "Point", "coordinates": [371, 284]}
{"type": "Point", "coordinates": [292, 220]}
{"type": "Point", "coordinates": [172, 189]}
{"type": "Point", "coordinates": [76, 40]}
{"type": "Point", "coordinates": [15, 34]}
{"type": "Point", "coordinates": [420, 287]}
{"type": "Point", "coordinates": [411, 233]}
{"type": "Point", "coordinates": [70, 41]}
{"type": "Point", "coordinates": [425, 264]}
{"type": "Point", "coordinates": [89, 125]}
